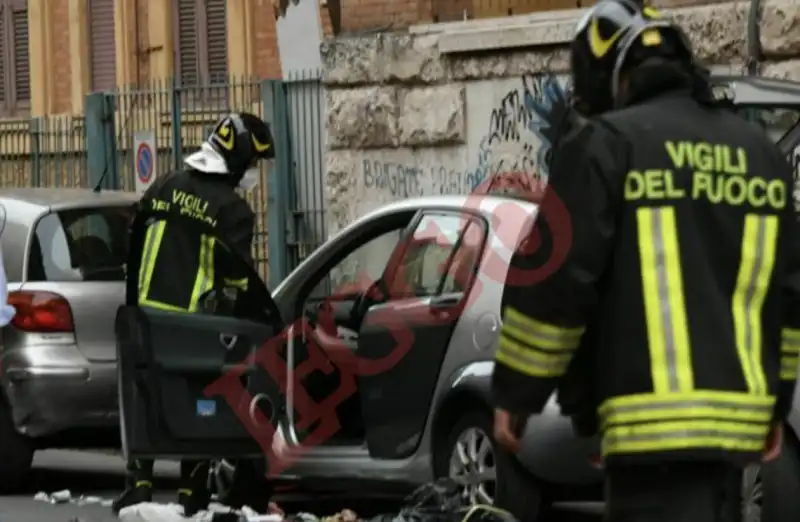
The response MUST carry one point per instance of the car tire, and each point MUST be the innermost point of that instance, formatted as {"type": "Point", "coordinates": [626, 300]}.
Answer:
{"type": "Point", "coordinates": [780, 481]}
{"type": "Point", "coordinates": [16, 453]}
{"type": "Point", "coordinates": [515, 490]}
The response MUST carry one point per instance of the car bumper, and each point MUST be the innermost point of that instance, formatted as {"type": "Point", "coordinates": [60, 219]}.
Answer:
{"type": "Point", "coordinates": [51, 388]}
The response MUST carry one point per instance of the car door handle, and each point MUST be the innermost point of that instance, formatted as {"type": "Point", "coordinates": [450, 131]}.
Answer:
{"type": "Point", "coordinates": [228, 341]}
{"type": "Point", "coordinates": [444, 302]}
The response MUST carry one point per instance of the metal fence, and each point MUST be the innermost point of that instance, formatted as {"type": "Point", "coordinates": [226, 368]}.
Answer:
{"type": "Point", "coordinates": [305, 98]}
{"type": "Point", "coordinates": [43, 152]}
{"type": "Point", "coordinates": [97, 150]}
{"type": "Point", "coordinates": [181, 118]}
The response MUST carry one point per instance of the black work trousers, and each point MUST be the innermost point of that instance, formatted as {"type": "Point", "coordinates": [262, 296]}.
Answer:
{"type": "Point", "coordinates": [194, 473]}
{"type": "Point", "coordinates": [674, 492]}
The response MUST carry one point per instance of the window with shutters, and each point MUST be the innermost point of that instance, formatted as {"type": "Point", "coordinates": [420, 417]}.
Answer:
{"type": "Point", "coordinates": [201, 42]}
{"type": "Point", "coordinates": [102, 45]}
{"type": "Point", "coordinates": [451, 10]}
{"type": "Point", "coordinates": [15, 87]}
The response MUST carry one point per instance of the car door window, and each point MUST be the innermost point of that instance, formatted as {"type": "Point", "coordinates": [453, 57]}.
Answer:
{"type": "Point", "coordinates": [360, 268]}
{"type": "Point", "coordinates": [439, 258]}
{"type": "Point", "coordinates": [463, 267]}
{"type": "Point", "coordinates": [80, 245]}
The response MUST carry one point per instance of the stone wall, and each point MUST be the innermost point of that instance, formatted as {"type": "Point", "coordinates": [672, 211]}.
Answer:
{"type": "Point", "coordinates": [406, 118]}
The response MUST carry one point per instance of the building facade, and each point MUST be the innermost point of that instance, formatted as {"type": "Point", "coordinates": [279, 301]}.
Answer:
{"type": "Point", "coordinates": [53, 52]}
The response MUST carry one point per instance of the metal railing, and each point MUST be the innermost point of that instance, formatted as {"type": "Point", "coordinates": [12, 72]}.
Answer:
{"type": "Point", "coordinates": [96, 149]}
{"type": "Point", "coordinates": [181, 118]}
{"type": "Point", "coordinates": [43, 152]}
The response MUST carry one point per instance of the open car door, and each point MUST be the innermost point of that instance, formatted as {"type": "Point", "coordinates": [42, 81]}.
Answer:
{"type": "Point", "coordinates": [168, 360]}
{"type": "Point", "coordinates": [405, 335]}
{"type": "Point", "coordinates": [771, 103]}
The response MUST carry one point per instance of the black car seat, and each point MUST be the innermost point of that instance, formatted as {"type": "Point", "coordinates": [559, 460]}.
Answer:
{"type": "Point", "coordinates": [36, 271]}
{"type": "Point", "coordinates": [91, 252]}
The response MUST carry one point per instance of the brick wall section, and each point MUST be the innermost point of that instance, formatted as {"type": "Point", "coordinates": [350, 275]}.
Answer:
{"type": "Point", "coordinates": [684, 3]}
{"type": "Point", "coordinates": [325, 17]}
{"type": "Point", "coordinates": [267, 60]}
{"type": "Point", "coordinates": [368, 15]}
{"type": "Point", "coordinates": [61, 71]}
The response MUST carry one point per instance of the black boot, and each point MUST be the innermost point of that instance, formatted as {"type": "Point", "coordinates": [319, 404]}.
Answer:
{"type": "Point", "coordinates": [249, 487]}
{"type": "Point", "coordinates": [138, 485]}
{"type": "Point", "coordinates": [143, 492]}
{"type": "Point", "coordinates": [193, 494]}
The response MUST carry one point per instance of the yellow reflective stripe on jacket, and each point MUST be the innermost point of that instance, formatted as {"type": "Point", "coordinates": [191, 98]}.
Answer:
{"type": "Point", "coordinates": [241, 284]}
{"type": "Point", "coordinates": [665, 436]}
{"type": "Point", "coordinates": [752, 283]}
{"type": "Point", "coordinates": [735, 421]}
{"type": "Point", "coordinates": [705, 404]}
{"type": "Point", "coordinates": [204, 282]}
{"type": "Point", "coordinates": [664, 303]}
{"type": "Point", "coordinates": [158, 305]}
{"type": "Point", "coordinates": [531, 361]}
{"type": "Point", "coordinates": [539, 334]}
{"type": "Point", "coordinates": [790, 353]}
{"type": "Point", "coordinates": [535, 348]}
{"type": "Point", "coordinates": [790, 341]}
{"type": "Point", "coordinates": [152, 243]}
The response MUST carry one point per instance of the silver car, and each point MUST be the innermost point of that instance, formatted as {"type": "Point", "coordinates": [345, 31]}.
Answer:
{"type": "Point", "coordinates": [64, 252]}
{"type": "Point", "coordinates": [414, 403]}
{"type": "Point", "coordinates": [386, 393]}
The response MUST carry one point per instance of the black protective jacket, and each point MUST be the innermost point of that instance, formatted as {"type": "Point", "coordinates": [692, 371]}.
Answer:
{"type": "Point", "coordinates": [680, 290]}
{"type": "Point", "coordinates": [188, 264]}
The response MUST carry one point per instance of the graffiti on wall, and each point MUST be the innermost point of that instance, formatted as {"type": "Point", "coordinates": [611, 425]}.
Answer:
{"type": "Point", "coordinates": [523, 127]}
{"type": "Point", "coordinates": [404, 181]}
{"type": "Point", "coordinates": [521, 131]}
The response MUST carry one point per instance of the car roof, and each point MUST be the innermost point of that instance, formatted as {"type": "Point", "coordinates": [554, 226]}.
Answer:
{"type": "Point", "coordinates": [486, 204]}
{"type": "Point", "coordinates": [59, 198]}
{"type": "Point", "coordinates": [20, 208]}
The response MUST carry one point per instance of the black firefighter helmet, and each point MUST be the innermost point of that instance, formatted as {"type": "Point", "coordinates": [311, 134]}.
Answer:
{"type": "Point", "coordinates": [234, 147]}
{"type": "Point", "coordinates": [613, 35]}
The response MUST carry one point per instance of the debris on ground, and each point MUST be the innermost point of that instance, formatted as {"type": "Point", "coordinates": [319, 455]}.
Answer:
{"type": "Point", "coordinates": [65, 497]}
{"type": "Point", "coordinates": [154, 512]}
{"type": "Point", "coordinates": [443, 501]}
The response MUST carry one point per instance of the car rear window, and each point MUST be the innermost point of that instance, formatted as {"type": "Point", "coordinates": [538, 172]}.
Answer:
{"type": "Point", "coordinates": [84, 244]}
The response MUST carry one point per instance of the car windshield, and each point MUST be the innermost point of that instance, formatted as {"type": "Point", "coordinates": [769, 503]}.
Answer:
{"type": "Point", "coordinates": [83, 244]}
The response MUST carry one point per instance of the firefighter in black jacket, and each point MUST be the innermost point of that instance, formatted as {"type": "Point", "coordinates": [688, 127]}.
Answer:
{"type": "Point", "coordinates": [684, 264]}
{"type": "Point", "coordinates": [181, 268]}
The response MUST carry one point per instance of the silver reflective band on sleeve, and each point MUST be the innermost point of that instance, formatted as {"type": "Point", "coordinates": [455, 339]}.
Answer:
{"type": "Point", "coordinates": [531, 362]}
{"type": "Point", "coordinates": [538, 333]}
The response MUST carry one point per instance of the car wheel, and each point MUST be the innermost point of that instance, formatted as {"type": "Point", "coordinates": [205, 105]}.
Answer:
{"type": "Point", "coordinates": [487, 474]}
{"type": "Point", "coordinates": [16, 453]}
{"type": "Point", "coordinates": [779, 482]}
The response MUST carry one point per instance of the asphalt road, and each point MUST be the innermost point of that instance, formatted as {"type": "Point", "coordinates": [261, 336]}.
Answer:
{"type": "Point", "coordinates": [83, 473]}
{"type": "Point", "coordinates": [91, 474]}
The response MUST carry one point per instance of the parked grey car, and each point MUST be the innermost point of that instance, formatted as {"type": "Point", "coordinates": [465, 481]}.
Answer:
{"type": "Point", "coordinates": [428, 413]}
{"type": "Point", "coordinates": [442, 262]}
{"type": "Point", "coordinates": [64, 252]}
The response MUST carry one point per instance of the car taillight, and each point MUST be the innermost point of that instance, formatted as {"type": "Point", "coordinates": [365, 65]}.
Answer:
{"type": "Point", "coordinates": [41, 311]}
